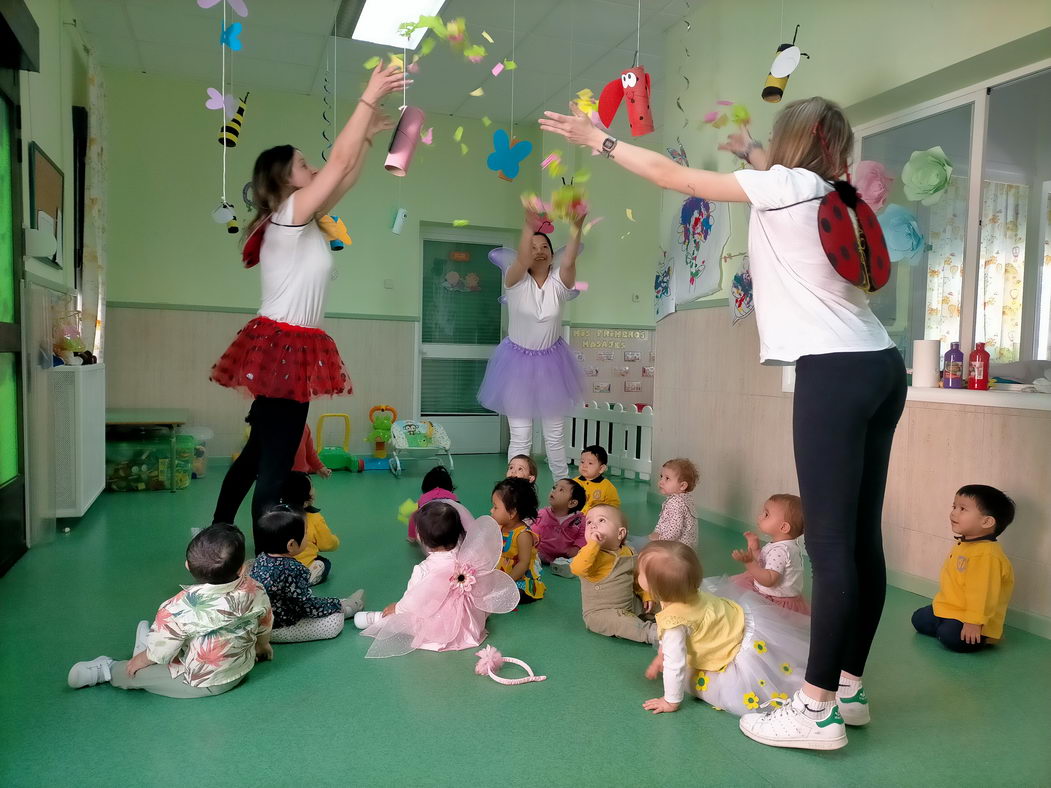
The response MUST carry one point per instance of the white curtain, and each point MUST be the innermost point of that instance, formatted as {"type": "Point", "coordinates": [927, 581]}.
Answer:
{"type": "Point", "coordinates": [93, 284]}
{"type": "Point", "coordinates": [947, 223]}
{"type": "Point", "coordinates": [1002, 266]}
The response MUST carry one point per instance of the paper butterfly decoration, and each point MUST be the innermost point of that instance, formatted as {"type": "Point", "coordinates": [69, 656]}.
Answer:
{"type": "Point", "coordinates": [237, 6]}
{"type": "Point", "coordinates": [503, 257]}
{"type": "Point", "coordinates": [229, 36]}
{"type": "Point", "coordinates": [633, 85]}
{"type": "Point", "coordinates": [507, 156]}
{"type": "Point", "coordinates": [679, 155]}
{"type": "Point", "coordinates": [223, 101]}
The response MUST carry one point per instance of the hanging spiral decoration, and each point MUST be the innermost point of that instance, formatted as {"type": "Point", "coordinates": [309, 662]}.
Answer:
{"type": "Point", "coordinates": [686, 50]}
{"type": "Point", "coordinates": [326, 116]}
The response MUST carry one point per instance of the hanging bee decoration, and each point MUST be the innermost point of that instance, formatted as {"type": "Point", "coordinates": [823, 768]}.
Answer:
{"type": "Point", "coordinates": [229, 133]}
{"type": "Point", "coordinates": [784, 64]}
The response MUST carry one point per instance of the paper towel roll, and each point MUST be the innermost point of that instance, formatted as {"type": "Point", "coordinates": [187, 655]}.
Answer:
{"type": "Point", "coordinates": [403, 143]}
{"type": "Point", "coordinates": [926, 369]}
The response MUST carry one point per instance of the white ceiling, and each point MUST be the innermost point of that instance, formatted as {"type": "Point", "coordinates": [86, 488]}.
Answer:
{"type": "Point", "coordinates": [561, 46]}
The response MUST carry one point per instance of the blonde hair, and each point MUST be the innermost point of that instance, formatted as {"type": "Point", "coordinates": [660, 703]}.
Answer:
{"type": "Point", "coordinates": [813, 134]}
{"type": "Point", "coordinates": [793, 512]}
{"type": "Point", "coordinates": [530, 464]}
{"type": "Point", "coordinates": [673, 571]}
{"type": "Point", "coordinates": [620, 517]}
{"type": "Point", "coordinates": [685, 470]}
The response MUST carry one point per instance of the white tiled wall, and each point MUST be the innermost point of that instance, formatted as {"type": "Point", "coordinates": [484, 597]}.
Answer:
{"type": "Point", "coordinates": [723, 409]}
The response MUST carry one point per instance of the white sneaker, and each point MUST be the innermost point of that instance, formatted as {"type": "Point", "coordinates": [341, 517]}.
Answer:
{"type": "Point", "coordinates": [560, 567]}
{"type": "Point", "coordinates": [855, 708]}
{"type": "Point", "coordinates": [353, 603]}
{"type": "Point", "coordinates": [88, 674]}
{"type": "Point", "coordinates": [317, 570]}
{"type": "Point", "coordinates": [789, 726]}
{"type": "Point", "coordinates": [367, 618]}
{"type": "Point", "coordinates": [142, 631]}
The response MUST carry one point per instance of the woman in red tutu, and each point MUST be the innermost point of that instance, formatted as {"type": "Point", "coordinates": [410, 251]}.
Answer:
{"type": "Point", "coordinates": [282, 357]}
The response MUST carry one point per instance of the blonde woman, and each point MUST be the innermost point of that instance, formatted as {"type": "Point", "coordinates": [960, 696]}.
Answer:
{"type": "Point", "coordinates": [850, 390]}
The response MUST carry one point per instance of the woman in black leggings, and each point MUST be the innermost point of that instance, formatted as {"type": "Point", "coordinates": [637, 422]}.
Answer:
{"type": "Point", "coordinates": [850, 388]}
{"type": "Point", "coordinates": [282, 357]}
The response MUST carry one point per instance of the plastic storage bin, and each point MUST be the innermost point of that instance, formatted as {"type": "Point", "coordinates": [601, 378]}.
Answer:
{"type": "Point", "coordinates": [142, 462]}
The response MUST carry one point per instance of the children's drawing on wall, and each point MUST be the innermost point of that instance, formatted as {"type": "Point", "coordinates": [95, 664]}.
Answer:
{"type": "Point", "coordinates": [690, 263]}
{"type": "Point", "coordinates": [741, 304]}
{"type": "Point", "coordinates": [591, 372]}
{"type": "Point", "coordinates": [664, 305]}
{"type": "Point", "coordinates": [601, 388]}
{"type": "Point", "coordinates": [647, 372]}
{"type": "Point", "coordinates": [612, 362]}
{"type": "Point", "coordinates": [632, 385]}
{"type": "Point", "coordinates": [622, 372]}
{"type": "Point", "coordinates": [632, 356]}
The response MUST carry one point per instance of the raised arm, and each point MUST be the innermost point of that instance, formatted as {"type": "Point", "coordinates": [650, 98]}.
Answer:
{"type": "Point", "coordinates": [658, 169]}
{"type": "Point", "coordinates": [379, 123]}
{"type": "Point", "coordinates": [568, 270]}
{"type": "Point", "coordinates": [346, 150]}
{"type": "Point", "coordinates": [520, 267]}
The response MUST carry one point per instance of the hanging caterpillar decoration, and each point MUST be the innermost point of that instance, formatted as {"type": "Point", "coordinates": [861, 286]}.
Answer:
{"type": "Point", "coordinates": [229, 133]}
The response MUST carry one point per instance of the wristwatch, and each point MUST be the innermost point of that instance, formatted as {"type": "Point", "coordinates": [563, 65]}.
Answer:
{"type": "Point", "coordinates": [608, 145]}
{"type": "Point", "coordinates": [751, 146]}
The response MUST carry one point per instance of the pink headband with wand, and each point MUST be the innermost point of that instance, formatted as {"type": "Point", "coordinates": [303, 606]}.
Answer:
{"type": "Point", "coordinates": [490, 661]}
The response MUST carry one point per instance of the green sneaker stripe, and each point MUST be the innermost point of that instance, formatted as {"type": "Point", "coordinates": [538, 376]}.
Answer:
{"type": "Point", "coordinates": [831, 719]}
{"type": "Point", "coordinates": [858, 697]}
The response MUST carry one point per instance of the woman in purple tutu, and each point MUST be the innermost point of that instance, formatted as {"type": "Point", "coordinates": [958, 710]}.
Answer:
{"type": "Point", "coordinates": [533, 373]}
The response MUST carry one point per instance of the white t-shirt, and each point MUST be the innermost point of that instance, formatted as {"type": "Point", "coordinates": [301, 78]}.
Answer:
{"type": "Point", "coordinates": [785, 558]}
{"type": "Point", "coordinates": [296, 266]}
{"type": "Point", "coordinates": [802, 306]}
{"type": "Point", "coordinates": [534, 314]}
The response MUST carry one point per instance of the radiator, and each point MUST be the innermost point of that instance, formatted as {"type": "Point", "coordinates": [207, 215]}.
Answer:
{"type": "Point", "coordinates": [78, 459]}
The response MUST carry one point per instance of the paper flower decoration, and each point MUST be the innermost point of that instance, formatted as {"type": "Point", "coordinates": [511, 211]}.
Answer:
{"type": "Point", "coordinates": [926, 174]}
{"type": "Point", "coordinates": [901, 232]}
{"type": "Point", "coordinates": [873, 183]}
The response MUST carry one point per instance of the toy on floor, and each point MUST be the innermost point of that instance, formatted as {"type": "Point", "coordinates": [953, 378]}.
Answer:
{"type": "Point", "coordinates": [490, 660]}
{"type": "Point", "coordinates": [419, 440]}
{"type": "Point", "coordinates": [382, 417]}
{"type": "Point", "coordinates": [337, 458]}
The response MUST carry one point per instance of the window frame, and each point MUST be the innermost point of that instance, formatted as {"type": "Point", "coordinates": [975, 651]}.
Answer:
{"type": "Point", "coordinates": [977, 95]}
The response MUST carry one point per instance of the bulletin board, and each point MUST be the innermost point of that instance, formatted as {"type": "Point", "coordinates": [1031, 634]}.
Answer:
{"type": "Point", "coordinates": [619, 364]}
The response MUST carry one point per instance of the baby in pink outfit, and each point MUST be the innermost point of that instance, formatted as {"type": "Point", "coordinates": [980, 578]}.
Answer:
{"type": "Point", "coordinates": [437, 485]}
{"type": "Point", "coordinates": [560, 526]}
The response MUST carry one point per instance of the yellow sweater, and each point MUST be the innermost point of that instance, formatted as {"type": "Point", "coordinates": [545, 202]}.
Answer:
{"type": "Point", "coordinates": [715, 629]}
{"type": "Point", "coordinates": [600, 490]}
{"type": "Point", "coordinates": [976, 585]}
{"type": "Point", "coordinates": [594, 564]}
{"type": "Point", "coordinates": [319, 538]}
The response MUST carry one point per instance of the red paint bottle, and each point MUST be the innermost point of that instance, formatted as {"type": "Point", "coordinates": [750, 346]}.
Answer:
{"type": "Point", "coordinates": [978, 374]}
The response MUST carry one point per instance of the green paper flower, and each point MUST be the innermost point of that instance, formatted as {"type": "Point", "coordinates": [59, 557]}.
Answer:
{"type": "Point", "coordinates": [739, 114]}
{"type": "Point", "coordinates": [926, 174]}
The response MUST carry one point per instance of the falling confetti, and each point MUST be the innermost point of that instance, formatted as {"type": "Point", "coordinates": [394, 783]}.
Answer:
{"type": "Point", "coordinates": [591, 224]}
{"type": "Point", "coordinates": [550, 160]}
{"type": "Point", "coordinates": [497, 69]}
{"type": "Point", "coordinates": [486, 122]}
{"type": "Point", "coordinates": [625, 235]}
{"type": "Point", "coordinates": [630, 214]}
{"type": "Point", "coordinates": [460, 222]}
{"type": "Point", "coordinates": [586, 101]}
{"type": "Point", "coordinates": [477, 92]}
{"type": "Point", "coordinates": [427, 137]}
{"type": "Point", "coordinates": [463, 149]}
{"type": "Point", "coordinates": [372, 62]}
{"type": "Point", "coordinates": [510, 65]}
{"type": "Point", "coordinates": [488, 37]}
{"type": "Point", "coordinates": [458, 134]}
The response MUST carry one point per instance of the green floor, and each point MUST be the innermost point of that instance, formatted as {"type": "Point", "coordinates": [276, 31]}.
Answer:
{"type": "Point", "coordinates": [320, 714]}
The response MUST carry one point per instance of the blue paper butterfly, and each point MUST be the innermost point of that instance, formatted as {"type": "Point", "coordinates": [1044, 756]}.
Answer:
{"type": "Point", "coordinates": [506, 158]}
{"type": "Point", "coordinates": [229, 36]}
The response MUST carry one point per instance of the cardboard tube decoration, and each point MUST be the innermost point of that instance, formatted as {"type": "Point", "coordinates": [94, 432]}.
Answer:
{"type": "Point", "coordinates": [784, 64]}
{"type": "Point", "coordinates": [633, 85]}
{"type": "Point", "coordinates": [403, 142]}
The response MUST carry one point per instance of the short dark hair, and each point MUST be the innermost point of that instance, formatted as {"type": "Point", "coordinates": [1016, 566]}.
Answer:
{"type": "Point", "coordinates": [599, 452]}
{"type": "Point", "coordinates": [216, 553]}
{"type": "Point", "coordinates": [992, 503]}
{"type": "Point", "coordinates": [276, 528]}
{"type": "Point", "coordinates": [438, 525]}
{"type": "Point", "coordinates": [546, 238]}
{"type": "Point", "coordinates": [437, 478]}
{"type": "Point", "coordinates": [296, 489]}
{"type": "Point", "coordinates": [518, 496]}
{"type": "Point", "coordinates": [577, 494]}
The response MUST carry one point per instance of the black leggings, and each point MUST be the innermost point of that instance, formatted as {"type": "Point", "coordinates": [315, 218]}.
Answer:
{"type": "Point", "coordinates": [846, 408]}
{"type": "Point", "coordinates": [277, 429]}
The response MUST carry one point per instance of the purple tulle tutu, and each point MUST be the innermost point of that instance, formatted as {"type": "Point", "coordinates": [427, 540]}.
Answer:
{"type": "Point", "coordinates": [532, 384]}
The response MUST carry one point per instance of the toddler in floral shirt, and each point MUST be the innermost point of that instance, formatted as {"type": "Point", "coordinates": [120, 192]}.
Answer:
{"type": "Point", "coordinates": [678, 518]}
{"type": "Point", "coordinates": [206, 638]}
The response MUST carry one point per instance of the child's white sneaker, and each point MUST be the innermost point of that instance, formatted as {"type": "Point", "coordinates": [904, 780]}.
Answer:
{"type": "Point", "coordinates": [791, 726]}
{"type": "Point", "coordinates": [353, 603]}
{"type": "Point", "coordinates": [367, 618]}
{"type": "Point", "coordinates": [88, 674]}
{"type": "Point", "coordinates": [560, 567]}
{"type": "Point", "coordinates": [142, 631]}
{"type": "Point", "coordinates": [317, 571]}
{"type": "Point", "coordinates": [853, 708]}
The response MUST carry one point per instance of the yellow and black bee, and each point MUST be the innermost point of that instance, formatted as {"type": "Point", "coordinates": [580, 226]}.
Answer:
{"type": "Point", "coordinates": [784, 64]}
{"type": "Point", "coordinates": [229, 133]}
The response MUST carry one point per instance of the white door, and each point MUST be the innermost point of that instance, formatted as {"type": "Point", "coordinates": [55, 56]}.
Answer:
{"type": "Point", "coordinates": [461, 322]}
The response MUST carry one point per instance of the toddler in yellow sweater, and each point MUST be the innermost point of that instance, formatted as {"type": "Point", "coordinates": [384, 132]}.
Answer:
{"type": "Point", "coordinates": [976, 579]}
{"type": "Point", "coordinates": [599, 489]}
{"type": "Point", "coordinates": [298, 494]}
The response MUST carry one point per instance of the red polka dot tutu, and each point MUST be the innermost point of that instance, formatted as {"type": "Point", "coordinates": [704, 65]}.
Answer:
{"type": "Point", "coordinates": [271, 359]}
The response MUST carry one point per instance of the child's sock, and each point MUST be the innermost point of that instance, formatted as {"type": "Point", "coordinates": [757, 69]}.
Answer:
{"type": "Point", "coordinates": [815, 709]}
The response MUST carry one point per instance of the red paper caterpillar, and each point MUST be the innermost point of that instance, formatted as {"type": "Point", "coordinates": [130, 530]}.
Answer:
{"type": "Point", "coordinates": [634, 85]}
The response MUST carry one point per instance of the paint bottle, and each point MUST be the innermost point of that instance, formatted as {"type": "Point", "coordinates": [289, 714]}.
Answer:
{"type": "Point", "coordinates": [978, 376]}
{"type": "Point", "coordinates": [952, 374]}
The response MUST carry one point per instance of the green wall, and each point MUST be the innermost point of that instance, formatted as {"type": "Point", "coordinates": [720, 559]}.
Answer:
{"type": "Point", "coordinates": [164, 180]}
{"type": "Point", "coordinates": [902, 51]}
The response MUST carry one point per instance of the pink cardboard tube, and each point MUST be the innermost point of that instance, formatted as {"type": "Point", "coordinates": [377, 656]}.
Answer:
{"type": "Point", "coordinates": [403, 143]}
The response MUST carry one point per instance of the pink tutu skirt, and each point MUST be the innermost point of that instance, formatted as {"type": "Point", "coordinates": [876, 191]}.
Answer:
{"type": "Point", "coordinates": [532, 384]}
{"type": "Point", "coordinates": [795, 603]}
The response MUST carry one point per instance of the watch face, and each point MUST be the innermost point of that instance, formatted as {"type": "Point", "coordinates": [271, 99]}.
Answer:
{"type": "Point", "coordinates": [608, 143]}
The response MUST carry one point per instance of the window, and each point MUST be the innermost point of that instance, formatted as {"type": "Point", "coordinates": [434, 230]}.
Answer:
{"type": "Point", "coordinates": [975, 260]}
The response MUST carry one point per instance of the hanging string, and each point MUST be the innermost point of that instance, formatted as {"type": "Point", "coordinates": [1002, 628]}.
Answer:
{"type": "Point", "coordinates": [405, 84]}
{"type": "Point", "coordinates": [514, 38]}
{"type": "Point", "coordinates": [781, 36]}
{"type": "Point", "coordinates": [222, 90]}
{"type": "Point", "coordinates": [638, 32]}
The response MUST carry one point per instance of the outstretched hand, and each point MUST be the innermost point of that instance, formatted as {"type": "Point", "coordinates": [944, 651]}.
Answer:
{"type": "Point", "coordinates": [737, 142]}
{"type": "Point", "coordinates": [577, 128]}
{"type": "Point", "coordinates": [385, 79]}
{"type": "Point", "coordinates": [380, 122]}
{"type": "Point", "coordinates": [660, 706]}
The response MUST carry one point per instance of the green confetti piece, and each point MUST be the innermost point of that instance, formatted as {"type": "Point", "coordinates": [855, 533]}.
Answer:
{"type": "Point", "coordinates": [460, 222]}
{"type": "Point", "coordinates": [427, 46]}
{"type": "Point", "coordinates": [458, 134]}
{"type": "Point", "coordinates": [510, 65]}
{"type": "Point", "coordinates": [463, 149]}
{"type": "Point", "coordinates": [372, 62]}
{"type": "Point", "coordinates": [581, 176]}
{"type": "Point", "coordinates": [486, 122]}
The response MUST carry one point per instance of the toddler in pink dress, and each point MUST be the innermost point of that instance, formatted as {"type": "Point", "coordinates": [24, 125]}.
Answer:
{"type": "Point", "coordinates": [437, 485]}
{"type": "Point", "coordinates": [560, 526]}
